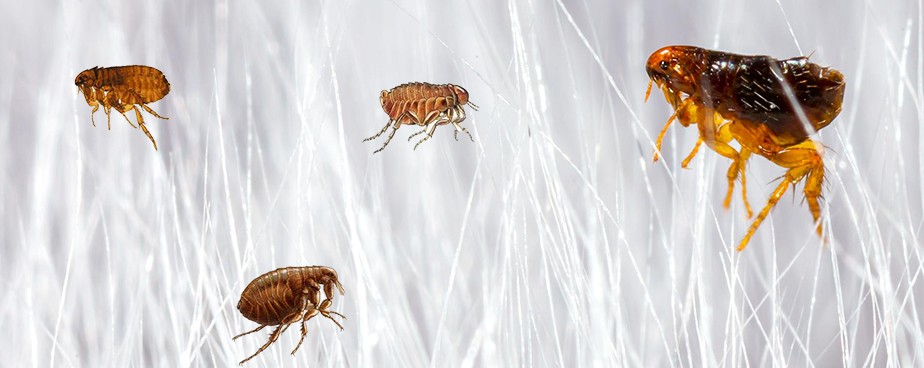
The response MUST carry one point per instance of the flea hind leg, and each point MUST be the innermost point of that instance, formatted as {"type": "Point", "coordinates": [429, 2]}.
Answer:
{"type": "Point", "coordinates": [388, 124]}
{"type": "Point", "coordinates": [272, 339]}
{"type": "Point", "coordinates": [248, 332]}
{"type": "Point", "coordinates": [802, 160]}
{"type": "Point", "coordinates": [275, 335]}
{"type": "Point", "coordinates": [144, 128]}
{"type": "Point", "coordinates": [151, 111]}
{"type": "Point", "coordinates": [422, 131]}
{"type": "Point", "coordinates": [390, 136]}
{"type": "Point", "coordinates": [122, 110]}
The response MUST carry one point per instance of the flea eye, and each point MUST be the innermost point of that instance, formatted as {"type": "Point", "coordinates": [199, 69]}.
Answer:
{"type": "Point", "coordinates": [663, 65]}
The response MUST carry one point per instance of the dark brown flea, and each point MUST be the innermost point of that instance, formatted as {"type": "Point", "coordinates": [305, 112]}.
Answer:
{"type": "Point", "coordinates": [424, 104]}
{"type": "Point", "coordinates": [769, 106]}
{"type": "Point", "coordinates": [285, 296]}
{"type": "Point", "coordinates": [121, 88]}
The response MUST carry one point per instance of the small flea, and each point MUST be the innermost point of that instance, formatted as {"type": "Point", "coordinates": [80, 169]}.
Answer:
{"type": "Point", "coordinates": [286, 295]}
{"type": "Point", "coordinates": [424, 104]}
{"type": "Point", "coordinates": [121, 88]}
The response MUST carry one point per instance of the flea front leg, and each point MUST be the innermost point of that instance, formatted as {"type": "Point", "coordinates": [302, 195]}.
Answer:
{"type": "Point", "coordinates": [317, 306]}
{"type": "Point", "coordinates": [681, 109]}
{"type": "Point", "coordinates": [462, 129]}
{"type": "Point", "coordinates": [93, 113]}
{"type": "Point", "coordinates": [248, 332]}
{"type": "Point", "coordinates": [456, 121]}
{"type": "Point", "coordinates": [686, 161]}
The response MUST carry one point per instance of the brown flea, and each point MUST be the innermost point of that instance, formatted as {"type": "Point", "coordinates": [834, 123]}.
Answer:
{"type": "Point", "coordinates": [769, 106]}
{"type": "Point", "coordinates": [424, 104]}
{"type": "Point", "coordinates": [285, 296]}
{"type": "Point", "coordinates": [121, 88]}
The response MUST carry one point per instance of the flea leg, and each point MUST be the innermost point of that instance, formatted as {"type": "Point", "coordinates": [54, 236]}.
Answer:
{"type": "Point", "coordinates": [458, 116]}
{"type": "Point", "coordinates": [272, 339]}
{"type": "Point", "coordinates": [802, 161]}
{"type": "Point", "coordinates": [744, 155]}
{"type": "Point", "coordinates": [310, 299]}
{"type": "Point", "coordinates": [248, 332]}
{"type": "Point", "coordinates": [379, 133]}
{"type": "Point", "coordinates": [322, 306]}
{"type": "Point", "coordinates": [456, 119]}
{"type": "Point", "coordinates": [304, 332]}
{"type": "Point", "coordinates": [721, 136]}
{"type": "Point", "coordinates": [682, 107]}
{"type": "Point", "coordinates": [151, 111]}
{"type": "Point", "coordinates": [327, 313]}
{"type": "Point", "coordinates": [775, 197]}
{"type": "Point", "coordinates": [122, 110]}
{"type": "Point", "coordinates": [275, 335]}
{"type": "Point", "coordinates": [736, 169]}
{"type": "Point", "coordinates": [657, 153]}
{"type": "Point", "coordinates": [92, 113]}
{"type": "Point", "coordinates": [312, 295]}
{"type": "Point", "coordinates": [107, 110]}
{"type": "Point", "coordinates": [431, 127]}
{"type": "Point", "coordinates": [390, 136]}
{"type": "Point", "coordinates": [686, 161]}
{"type": "Point", "coordinates": [145, 106]}
{"type": "Point", "coordinates": [416, 134]}
{"type": "Point", "coordinates": [144, 128]}
{"type": "Point", "coordinates": [462, 129]}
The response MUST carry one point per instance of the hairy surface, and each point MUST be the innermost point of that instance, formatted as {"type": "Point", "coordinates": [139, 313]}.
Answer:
{"type": "Point", "coordinates": [551, 241]}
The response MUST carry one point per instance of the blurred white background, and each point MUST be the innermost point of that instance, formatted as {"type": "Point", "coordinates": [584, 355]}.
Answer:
{"type": "Point", "coordinates": [552, 240]}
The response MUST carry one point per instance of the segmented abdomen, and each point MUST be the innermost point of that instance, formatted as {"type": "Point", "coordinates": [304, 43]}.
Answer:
{"type": "Point", "coordinates": [749, 88]}
{"type": "Point", "coordinates": [134, 84]}
{"type": "Point", "coordinates": [268, 299]}
{"type": "Point", "coordinates": [420, 99]}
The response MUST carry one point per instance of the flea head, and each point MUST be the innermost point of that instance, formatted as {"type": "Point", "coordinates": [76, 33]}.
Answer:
{"type": "Point", "coordinates": [329, 276]}
{"type": "Point", "coordinates": [674, 69]}
{"type": "Point", "coordinates": [461, 94]}
{"type": "Point", "coordinates": [85, 77]}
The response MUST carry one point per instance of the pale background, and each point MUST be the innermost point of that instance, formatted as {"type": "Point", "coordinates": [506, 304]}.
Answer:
{"type": "Point", "coordinates": [552, 240]}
